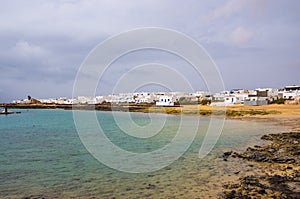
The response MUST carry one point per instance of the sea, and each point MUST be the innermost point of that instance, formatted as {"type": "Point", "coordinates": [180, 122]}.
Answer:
{"type": "Point", "coordinates": [42, 154]}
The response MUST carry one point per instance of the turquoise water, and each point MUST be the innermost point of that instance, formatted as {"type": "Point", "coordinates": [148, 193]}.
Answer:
{"type": "Point", "coordinates": [41, 153]}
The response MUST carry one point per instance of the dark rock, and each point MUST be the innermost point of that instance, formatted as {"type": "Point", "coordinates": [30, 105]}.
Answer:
{"type": "Point", "coordinates": [129, 188]}
{"type": "Point", "coordinates": [276, 179]}
{"type": "Point", "coordinates": [225, 154]}
{"type": "Point", "coordinates": [231, 186]}
{"type": "Point", "coordinates": [250, 180]}
{"type": "Point", "coordinates": [282, 149]}
{"type": "Point", "coordinates": [147, 195]}
{"type": "Point", "coordinates": [262, 191]}
{"type": "Point", "coordinates": [228, 153]}
{"type": "Point", "coordinates": [283, 159]}
{"type": "Point", "coordinates": [35, 197]}
{"type": "Point", "coordinates": [250, 149]}
{"type": "Point", "coordinates": [258, 156]}
{"type": "Point", "coordinates": [231, 194]}
{"type": "Point", "coordinates": [151, 186]}
{"type": "Point", "coordinates": [235, 194]}
{"type": "Point", "coordinates": [267, 137]}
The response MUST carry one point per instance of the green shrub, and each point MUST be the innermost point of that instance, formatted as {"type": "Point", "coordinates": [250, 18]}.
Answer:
{"type": "Point", "coordinates": [278, 101]}
{"type": "Point", "coordinates": [205, 102]}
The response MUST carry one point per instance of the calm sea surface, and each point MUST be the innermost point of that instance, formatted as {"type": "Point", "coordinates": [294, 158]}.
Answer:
{"type": "Point", "coordinates": [41, 154]}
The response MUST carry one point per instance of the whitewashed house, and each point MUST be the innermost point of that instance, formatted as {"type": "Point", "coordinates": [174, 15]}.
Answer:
{"type": "Point", "coordinates": [257, 98]}
{"type": "Point", "coordinates": [230, 99]}
{"type": "Point", "coordinates": [240, 94]}
{"type": "Point", "coordinates": [144, 99]}
{"type": "Point", "coordinates": [291, 92]}
{"type": "Point", "coordinates": [241, 97]}
{"type": "Point", "coordinates": [165, 101]}
{"type": "Point", "coordinates": [223, 98]}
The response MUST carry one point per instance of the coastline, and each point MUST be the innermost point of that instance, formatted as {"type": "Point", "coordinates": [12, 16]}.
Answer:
{"type": "Point", "coordinates": [287, 115]}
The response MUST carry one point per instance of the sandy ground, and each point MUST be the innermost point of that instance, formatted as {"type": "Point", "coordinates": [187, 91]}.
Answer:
{"type": "Point", "coordinates": [289, 115]}
{"type": "Point", "coordinates": [279, 114]}
{"type": "Point", "coordinates": [285, 110]}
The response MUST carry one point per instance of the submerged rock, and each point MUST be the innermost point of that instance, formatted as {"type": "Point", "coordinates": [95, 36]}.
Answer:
{"type": "Point", "coordinates": [35, 197]}
{"type": "Point", "coordinates": [151, 186]}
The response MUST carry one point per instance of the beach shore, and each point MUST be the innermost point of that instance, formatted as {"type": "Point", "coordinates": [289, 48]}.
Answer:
{"type": "Point", "coordinates": [278, 114]}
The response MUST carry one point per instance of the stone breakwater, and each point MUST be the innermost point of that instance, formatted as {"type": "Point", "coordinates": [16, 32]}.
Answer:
{"type": "Point", "coordinates": [278, 169]}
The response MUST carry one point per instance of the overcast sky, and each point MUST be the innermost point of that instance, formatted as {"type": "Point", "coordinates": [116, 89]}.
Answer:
{"type": "Point", "coordinates": [254, 43]}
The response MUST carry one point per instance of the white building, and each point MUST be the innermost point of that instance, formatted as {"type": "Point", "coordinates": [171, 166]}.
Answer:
{"type": "Point", "coordinates": [290, 92]}
{"type": "Point", "coordinates": [86, 100]}
{"type": "Point", "coordinates": [165, 101]}
{"type": "Point", "coordinates": [230, 99]}
{"type": "Point", "coordinates": [144, 99]}
{"type": "Point", "coordinates": [241, 97]}
{"type": "Point", "coordinates": [224, 98]}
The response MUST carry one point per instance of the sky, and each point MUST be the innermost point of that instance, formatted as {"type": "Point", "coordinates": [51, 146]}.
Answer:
{"type": "Point", "coordinates": [43, 43]}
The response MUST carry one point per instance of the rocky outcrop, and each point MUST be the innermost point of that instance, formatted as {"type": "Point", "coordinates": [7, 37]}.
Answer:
{"type": "Point", "coordinates": [285, 148]}
{"type": "Point", "coordinates": [283, 155]}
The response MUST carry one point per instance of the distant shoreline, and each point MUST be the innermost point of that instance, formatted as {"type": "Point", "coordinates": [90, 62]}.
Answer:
{"type": "Point", "coordinates": [283, 114]}
{"type": "Point", "coordinates": [235, 111]}
{"type": "Point", "coordinates": [98, 107]}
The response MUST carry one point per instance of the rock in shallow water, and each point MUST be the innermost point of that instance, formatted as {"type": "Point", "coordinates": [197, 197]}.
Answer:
{"type": "Point", "coordinates": [281, 150]}
{"type": "Point", "coordinates": [35, 197]}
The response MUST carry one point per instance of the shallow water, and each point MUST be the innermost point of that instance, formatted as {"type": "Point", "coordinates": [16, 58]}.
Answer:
{"type": "Point", "coordinates": [41, 153]}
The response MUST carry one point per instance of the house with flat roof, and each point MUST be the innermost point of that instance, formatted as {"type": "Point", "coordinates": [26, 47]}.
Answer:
{"type": "Point", "coordinates": [165, 101]}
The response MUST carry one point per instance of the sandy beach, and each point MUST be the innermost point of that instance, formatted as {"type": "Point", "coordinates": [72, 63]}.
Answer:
{"type": "Point", "coordinates": [279, 114]}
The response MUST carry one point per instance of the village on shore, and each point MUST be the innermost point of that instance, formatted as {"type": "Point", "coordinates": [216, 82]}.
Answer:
{"type": "Point", "coordinates": [255, 97]}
